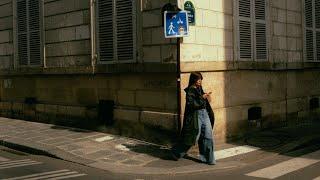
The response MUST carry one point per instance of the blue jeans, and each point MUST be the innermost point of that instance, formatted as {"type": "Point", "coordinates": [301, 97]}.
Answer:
{"type": "Point", "coordinates": [204, 138]}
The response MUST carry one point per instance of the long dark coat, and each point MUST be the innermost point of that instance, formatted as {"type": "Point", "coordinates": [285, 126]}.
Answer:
{"type": "Point", "coordinates": [194, 102]}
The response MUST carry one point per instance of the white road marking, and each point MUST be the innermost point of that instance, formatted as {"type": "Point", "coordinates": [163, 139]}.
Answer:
{"type": "Point", "coordinates": [19, 165]}
{"type": "Point", "coordinates": [14, 162]}
{"type": "Point", "coordinates": [65, 177]}
{"type": "Point", "coordinates": [58, 175]}
{"type": "Point", "coordinates": [105, 138]}
{"type": "Point", "coordinates": [317, 178]}
{"type": "Point", "coordinates": [286, 167]}
{"type": "Point", "coordinates": [3, 159]}
{"type": "Point", "coordinates": [37, 174]}
{"type": "Point", "coordinates": [122, 147]}
{"type": "Point", "coordinates": [225, 153]}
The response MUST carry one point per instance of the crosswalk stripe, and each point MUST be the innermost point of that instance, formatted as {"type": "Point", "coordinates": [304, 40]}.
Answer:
{"type": "Point", "coordinates": [65, 177]}
{"type": "Point", "coordinates": [9, 162]}
{"type": "Point", "coordinates": [317, 178]}
{"type": "Point", "coordinates": [37, 174]}
{"type": "Point", "coordinates": [3, 159]}
{"type": "Point", "coordinates": [54, 175]}
{"type": "Point", "coordinates": [286, 167]}
{"type": "Point", "coordinates": [16, 163]}
{"type": "Point", "coordinates": [225, 153]}
{"type": "Point", "coordinates": [20, 165]}
{"type": "Point", "coordinates": [105, 138]}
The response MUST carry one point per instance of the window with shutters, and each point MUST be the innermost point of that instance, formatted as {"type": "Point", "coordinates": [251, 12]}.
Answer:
{"type": "Point", "coordinates": [251, 29]}
{"type": "Point", "coordinates": [312, 30]}
{"type": "Point", "coordinates": [29, 32]}
{"type": "Point", "coordinates": [116, 31]}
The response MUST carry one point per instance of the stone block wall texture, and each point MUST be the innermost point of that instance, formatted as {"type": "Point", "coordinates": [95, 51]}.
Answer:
{"type": "Point", "coordinates": [66, 90]}
{"type": "Point", "coordinates": [6, 38]}
{"type": "Point", "coordinates": [211, 39]}
{"type": "Point", "coordinates": [67, 33]}
{"type": "Point", "coordinates": [286, 30]}
{"type": "Point", "coordinates": [155, 47]}
{"type": "Point", "coordinates": [239, 85]}
{"type": "Point", "coordinates": [283, 96]}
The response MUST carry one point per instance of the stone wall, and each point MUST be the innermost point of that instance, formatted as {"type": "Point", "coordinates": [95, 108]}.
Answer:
{"type": "Point", "coordinates": [67, 91]}
{"type": "Point", "coordinates": [67, 33]}
{"type": "Point", "coordinates": [282, 86]}
{"type": "Point", "coordinates": [141, 102]}
{"type": "Point", "coordinates": [284, 97]}
{"type": "Point", "coordinates": [286, 30]}
{"type": "Point", "coordinates": [211, 39]}
{"type": "Point", "coordinates": [155, 48]}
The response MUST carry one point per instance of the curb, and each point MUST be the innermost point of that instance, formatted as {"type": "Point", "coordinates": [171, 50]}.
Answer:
{"type": "Point", "coordinates": [123, 169]}
{"type": "Point", "coordinates": [26, 149]}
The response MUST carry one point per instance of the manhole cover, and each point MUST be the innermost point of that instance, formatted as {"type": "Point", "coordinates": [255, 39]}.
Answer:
{"type": "Point", "coordinates": [264, 141]}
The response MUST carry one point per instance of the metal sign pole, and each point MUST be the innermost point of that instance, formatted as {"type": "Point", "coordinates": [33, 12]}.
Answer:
{"type": "Point", "coordinates": [179, 87]}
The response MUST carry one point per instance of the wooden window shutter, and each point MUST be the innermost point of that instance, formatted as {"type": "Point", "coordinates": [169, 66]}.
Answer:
{"type": "Point", "coordinates": [245, 32]}
{"type": "Point", "coordinates": [125, 30]}
{"type": "Point", "coordinates": [29, 32]}
{"type": "Point", "coordinates": [317, 28]}
{"type": "Point", "coordinates": [260, 29]}
{"type": "Point", "coordinates": [308, 13]}
{"type": "Point", "coordinates": [309, 30]}
{"type": "Point", "coordinates": [22, 32]}
{"type": "Point", "coordinates": [311, 35]}
{"type": "Point", "coordinates": [309, 45]}
{"type": "Point", "coordinates": [34, 32]}
{"type": "Point", "coordinates": [105, 30]}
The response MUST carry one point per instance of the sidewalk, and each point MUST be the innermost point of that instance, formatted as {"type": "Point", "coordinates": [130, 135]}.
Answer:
{"type": "Point", "coordinates": [118, 154]}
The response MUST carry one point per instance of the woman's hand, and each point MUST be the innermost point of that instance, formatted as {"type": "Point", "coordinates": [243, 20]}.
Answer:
{"type": "Point", "coordinates": [207, 96]}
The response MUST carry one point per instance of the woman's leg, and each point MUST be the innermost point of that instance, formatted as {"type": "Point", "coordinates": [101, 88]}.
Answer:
{"type": "Point", "coordinates": [180, 150]}
{"type": "Point", "coordinates": [206, 142]}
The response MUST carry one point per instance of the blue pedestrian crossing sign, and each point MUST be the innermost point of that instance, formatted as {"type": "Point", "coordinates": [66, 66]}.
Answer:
{"type": "Point", "coordinates": [176, 24]}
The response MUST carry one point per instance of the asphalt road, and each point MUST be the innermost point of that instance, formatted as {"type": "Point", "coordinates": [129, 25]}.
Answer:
{"type": "Point", "coordinates": [302, 163]}
{"type": "Point", "coordinates": [20, 165]}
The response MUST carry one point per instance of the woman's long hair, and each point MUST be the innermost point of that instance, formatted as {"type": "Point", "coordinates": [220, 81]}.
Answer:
{"type": "Point", "coordinates": [194, 77]}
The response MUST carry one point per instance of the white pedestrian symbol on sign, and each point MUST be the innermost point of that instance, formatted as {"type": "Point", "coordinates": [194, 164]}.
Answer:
{"type": "Point", "coordinates": [171, 31]}
{"type": "Point", "coordinates": [175, 24]}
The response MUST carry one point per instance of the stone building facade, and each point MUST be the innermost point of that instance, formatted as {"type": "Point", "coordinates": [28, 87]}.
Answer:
{"type": "Point", "coordinates": [61, 59]}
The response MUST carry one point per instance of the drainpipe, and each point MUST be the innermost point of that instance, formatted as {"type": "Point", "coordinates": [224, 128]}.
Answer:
{"type": "Point", "coordinates": [179, 86]}
{"type": "Point", "coordinates": [93, 37]}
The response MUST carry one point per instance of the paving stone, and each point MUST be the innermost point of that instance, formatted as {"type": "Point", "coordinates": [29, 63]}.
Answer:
{"type": "Point", "coordinates": [39, 138]}
{"type": "Point", "coordinates": [99, 154]}
{"type": "Point", "coordinates": [145, 158]}
{"type": "Point", "coordinates": [55, 141]}
{"type": "Point", "coordinates": [78, 136]}
{"type": "Point", "coordinates": [118, 157]}
{"type": "Point", "coordinates": [132, 162]}
{"type": "Point", "coordinates": [69, 147]}
{"type": "Point", "coordinates": [85, 151]}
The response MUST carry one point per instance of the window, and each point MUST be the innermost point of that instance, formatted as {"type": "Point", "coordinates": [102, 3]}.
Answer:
{"type": "Point", "coordinates": [29, 32]}
{"type": "Point", "coordinates": [116, 39]}
{"type": "Point", "coordinates": [251, 24]}
{"type": "Point", "coordinates": [312, 30]}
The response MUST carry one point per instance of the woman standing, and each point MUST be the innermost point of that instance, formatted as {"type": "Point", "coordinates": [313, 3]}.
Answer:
{"type": "Point", "coordinates": [198, 122]}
